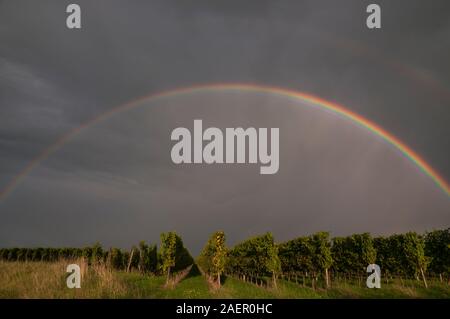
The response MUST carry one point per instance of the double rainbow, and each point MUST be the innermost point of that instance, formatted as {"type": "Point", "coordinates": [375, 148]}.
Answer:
{"type": "Point", "coordinates": [333, 107]}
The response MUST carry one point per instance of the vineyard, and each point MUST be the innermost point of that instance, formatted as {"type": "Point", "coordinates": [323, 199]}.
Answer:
{"type": "Point", "coordinates": [412, 265]}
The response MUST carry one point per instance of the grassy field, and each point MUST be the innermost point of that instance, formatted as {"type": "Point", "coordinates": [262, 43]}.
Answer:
{"type": "Point", "coordinates": [48, 280]}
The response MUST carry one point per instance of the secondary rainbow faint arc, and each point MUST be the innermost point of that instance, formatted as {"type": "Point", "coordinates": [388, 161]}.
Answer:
{"type": "Point", "coordinates": [331, 106]}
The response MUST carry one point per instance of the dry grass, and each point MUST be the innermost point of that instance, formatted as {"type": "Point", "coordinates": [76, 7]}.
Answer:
{"type": "Point", "coordinates": [48, 280]}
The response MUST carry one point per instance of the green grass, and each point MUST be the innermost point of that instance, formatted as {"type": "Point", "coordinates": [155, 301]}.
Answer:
{"type": "Point", "coordinates": [409, 289]}
{"type": "Point", "coordinates": [47, 280]}
{"type": "Point", "coordinates": [234, 288]}
{"type": "Point", "coordinates": [139, 286]}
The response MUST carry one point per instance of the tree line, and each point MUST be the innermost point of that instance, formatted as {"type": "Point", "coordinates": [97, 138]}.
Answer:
{"type": "Point", "coordinates": [171, 257]}
{"type": "Point", "coordinates": [409, 255]}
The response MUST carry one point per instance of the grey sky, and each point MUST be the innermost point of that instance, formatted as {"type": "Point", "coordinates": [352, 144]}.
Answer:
{"type": "Point", "coordinates": [115, 183]}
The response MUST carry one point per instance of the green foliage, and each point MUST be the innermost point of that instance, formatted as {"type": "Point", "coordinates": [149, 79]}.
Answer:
{"type": "Point", "coordinates": [212, 259]}
{"type": "Point", "coordinates": [86, 253]}
{"type": "Point", "coordinates": [307, 255]}
{"type": "Point", "coordinates": [296, 255]}
{"type": "Point", "coordinates": [116, 259]}
{"type": "Point", "coordinates": [168, 250]}
{"type": "Point", "coordinates": [437, 246]}
{"type": "Point", "coordinates": [273, 263]}
{"type": "Point", "coordinates": [353, 254]}
{"type": "Point", "coordinates": [183, 258]}
{"type": "Point", "coordinates": [133, 258]}
{"type": "Point", "coordinates": [407, 255]}
{"type": "Point", "coordinates": [37, 254]}
{"type": "Point", "coordinates": [96, 253]}
{"type": "Point", "coordinates": [402, 254]}
{"type": "Point", "coordinates": [147, 258]}
{"type": "Point", "coordinates": [257, 256]}
{"type": "Point", "coordinates": [12, 256]}
{"type": "Point", "coordinates": [322, 258]}
{"type": "Point", "coordinates": [414, 253]}
{"type": "Point", "coordinates": [174, 256]}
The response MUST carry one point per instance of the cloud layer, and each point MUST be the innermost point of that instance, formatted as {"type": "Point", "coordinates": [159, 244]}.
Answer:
{"type": "Point", "coordinates": [107, 185]}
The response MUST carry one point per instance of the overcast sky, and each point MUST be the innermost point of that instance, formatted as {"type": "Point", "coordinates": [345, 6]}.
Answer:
{"type": "Point", "coordinates": [115, 182]}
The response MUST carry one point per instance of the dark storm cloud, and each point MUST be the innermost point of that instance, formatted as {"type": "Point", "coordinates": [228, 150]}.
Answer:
{"type": "Point", "coordinates": [115, 181]}
{"type": "Point", "coordinates": [53, 79]}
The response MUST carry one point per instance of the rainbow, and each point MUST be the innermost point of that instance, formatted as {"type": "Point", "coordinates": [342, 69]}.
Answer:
{"type": "Point", "coordinates": [327, 105]}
